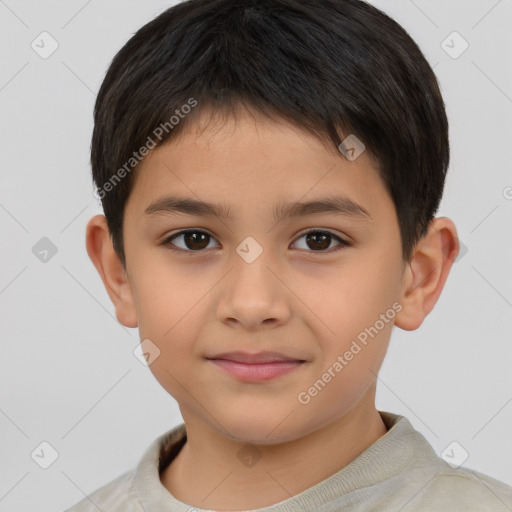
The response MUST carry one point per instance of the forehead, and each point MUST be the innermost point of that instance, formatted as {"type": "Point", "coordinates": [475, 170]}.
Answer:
{"type": "Point", "coordinates": [252, 159]}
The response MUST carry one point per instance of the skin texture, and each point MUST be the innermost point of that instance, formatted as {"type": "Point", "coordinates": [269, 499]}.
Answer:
{"type": "Point", "coordinates": [302, 302]}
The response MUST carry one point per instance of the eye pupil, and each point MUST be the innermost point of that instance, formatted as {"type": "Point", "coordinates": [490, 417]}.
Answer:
{"type": "Point", "coordinates": [319, 238]}
{"type": "Point", "coordinates": [193, 237]}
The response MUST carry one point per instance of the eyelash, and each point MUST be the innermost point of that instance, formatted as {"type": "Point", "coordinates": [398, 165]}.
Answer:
{"type": "Point", "coordinates": [168, 241]}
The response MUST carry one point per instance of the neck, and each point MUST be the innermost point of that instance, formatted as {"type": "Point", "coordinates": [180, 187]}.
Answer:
{"type": "Point", "coordinates": [208, 473]}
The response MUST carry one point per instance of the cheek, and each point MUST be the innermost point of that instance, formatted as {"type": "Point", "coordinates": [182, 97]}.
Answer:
{"type": "Point", "coordinates": [171, 321]}
{"type": "Point", "coordinates": [356, 293]}
{"type": "Point", "coordinates": [359, 306]}
{"type": "Point", "coordinates": [162, 294]}
{"type": "Point", "coordinates": [173, 303]}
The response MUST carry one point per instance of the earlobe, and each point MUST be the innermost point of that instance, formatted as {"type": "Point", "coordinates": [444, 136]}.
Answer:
{"type": "Point", "coordinates": [425, 275]}
{"type": "Point", "coordinates": [112, 272]}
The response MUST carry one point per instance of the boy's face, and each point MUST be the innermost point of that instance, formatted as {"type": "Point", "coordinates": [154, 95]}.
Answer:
{"type": "Point", "coordinates": [308, 298]}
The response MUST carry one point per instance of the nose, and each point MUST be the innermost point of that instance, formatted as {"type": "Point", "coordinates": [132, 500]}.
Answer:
{"type": "Point", "coordinates": [253, 295]}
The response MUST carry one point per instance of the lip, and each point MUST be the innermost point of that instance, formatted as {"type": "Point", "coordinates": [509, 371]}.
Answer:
{"type": "Point", "coordinates": [254, 358]}
{"type": "Point", "coordinates": [259, 367]}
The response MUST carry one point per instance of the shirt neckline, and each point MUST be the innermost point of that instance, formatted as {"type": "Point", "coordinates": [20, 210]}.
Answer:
{"type": "Point", "coordinates": [382, 460]}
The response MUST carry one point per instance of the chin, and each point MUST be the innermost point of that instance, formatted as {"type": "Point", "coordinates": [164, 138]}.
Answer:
{"type": "Point", "coordinates": [260, 428]}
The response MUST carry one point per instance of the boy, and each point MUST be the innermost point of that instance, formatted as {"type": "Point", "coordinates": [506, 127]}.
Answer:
{"type": "Point", "coordinates": [233, 139]}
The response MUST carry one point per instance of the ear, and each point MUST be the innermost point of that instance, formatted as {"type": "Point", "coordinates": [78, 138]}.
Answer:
{"type": "Point", "coordinates": [111, 270]}
{"type": "Point", "coordinates": [426, 273]}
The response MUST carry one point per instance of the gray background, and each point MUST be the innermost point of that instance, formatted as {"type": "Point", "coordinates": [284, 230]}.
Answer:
{"type": "Point", "coordinates": [67, 372]}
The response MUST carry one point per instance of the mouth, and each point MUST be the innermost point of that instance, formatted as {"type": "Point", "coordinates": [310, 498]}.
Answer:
{"type": "Point", "coordinates": [256, 367]}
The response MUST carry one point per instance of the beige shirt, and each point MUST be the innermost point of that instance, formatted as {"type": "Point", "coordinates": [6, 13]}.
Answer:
{"type": "Point", "coordinates": [399, 472]}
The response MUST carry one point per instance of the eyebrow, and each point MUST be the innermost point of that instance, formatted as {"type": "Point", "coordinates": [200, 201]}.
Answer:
{"type": "Point", "coordinates": [338, 205]}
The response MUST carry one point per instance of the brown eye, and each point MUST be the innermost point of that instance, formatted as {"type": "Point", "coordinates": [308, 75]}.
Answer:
{"type": "Point", "coordinates": [196, 241]}
{"type": "Point", "coordinates": [191, 241]}
{"type": "Point", "coordinates": [320, 241]}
